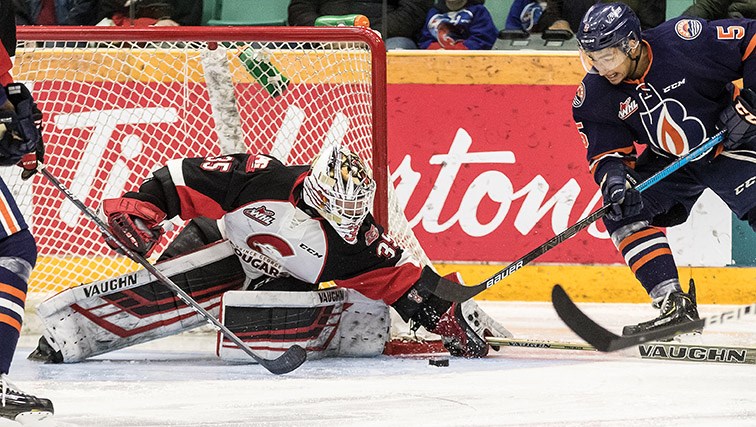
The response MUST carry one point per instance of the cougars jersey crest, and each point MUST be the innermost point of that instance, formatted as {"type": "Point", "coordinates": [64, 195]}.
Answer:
{"type": "Point", "coordinates": [276, 239]}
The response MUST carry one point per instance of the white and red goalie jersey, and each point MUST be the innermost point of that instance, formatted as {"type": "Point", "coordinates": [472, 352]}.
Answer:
{"type": "Point", "coordinates": [273, 232]}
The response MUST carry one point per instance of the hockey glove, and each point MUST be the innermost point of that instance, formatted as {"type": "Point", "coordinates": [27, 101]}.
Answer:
{"type": "Point", "coordinates": [23, 145]}
{"type": "Point", "coordinates": [739, 119]}
{"type": "Point", "coordinates": [135, 223]}
{"type": "Point", "coordinates": [624, 200]}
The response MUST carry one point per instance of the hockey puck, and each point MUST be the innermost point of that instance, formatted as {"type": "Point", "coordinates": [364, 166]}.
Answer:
{"type": "Point", "coordinates": [439, 361]}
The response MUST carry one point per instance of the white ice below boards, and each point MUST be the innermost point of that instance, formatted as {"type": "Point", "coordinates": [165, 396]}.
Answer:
{"type": "Point", "coordinates": [179, 382]}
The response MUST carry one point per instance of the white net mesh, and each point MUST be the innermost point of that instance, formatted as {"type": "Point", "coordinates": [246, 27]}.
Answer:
{"type": "Point", "coordinates": [116, 110]}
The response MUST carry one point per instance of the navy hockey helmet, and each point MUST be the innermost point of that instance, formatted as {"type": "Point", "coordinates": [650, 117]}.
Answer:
{"type": "Point", "coordinates": [608, 25]}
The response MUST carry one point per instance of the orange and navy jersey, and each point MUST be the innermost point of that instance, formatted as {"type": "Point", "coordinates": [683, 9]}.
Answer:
{"type": "Point", "coordinates": [11, 220]}
{"type": "Point", "coordinates": [675, 105]}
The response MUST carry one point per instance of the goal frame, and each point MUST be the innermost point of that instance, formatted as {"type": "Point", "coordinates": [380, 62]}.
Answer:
{"type": "Point", "coordinates": [259, 34]}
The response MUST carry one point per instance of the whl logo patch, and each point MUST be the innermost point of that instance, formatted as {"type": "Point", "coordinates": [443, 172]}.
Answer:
{"type": "Point", "coordinates": [261, 214]}
{"type": "Point", "coordinates": [627, 108]}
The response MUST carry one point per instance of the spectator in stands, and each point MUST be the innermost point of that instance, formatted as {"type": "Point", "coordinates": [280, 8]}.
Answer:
{"type": "Point", "coordinates": [720, 9]}
{"type": "Point", "coordinates": [150, 13]}
{"type": "Point", "coordinates": [404, 18]}
{"type": "Point", "coordinates": [458, 25]}
{"type": "Point", "coordinates": [7, 29]}
{"type": "Point", "coordinates": [566, 14]}
{"type": "Point", "coordinates": [56, 12]}
{"type": "Point", "coordinates": [524, 15]}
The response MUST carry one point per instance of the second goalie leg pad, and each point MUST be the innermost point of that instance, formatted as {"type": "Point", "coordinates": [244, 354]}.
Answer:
{"type": "Point", "coordinates": [327, 323]}
{"type": "Point", "coordinates": [100, 317]}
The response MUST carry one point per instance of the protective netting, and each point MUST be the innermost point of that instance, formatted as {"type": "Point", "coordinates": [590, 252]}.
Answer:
{"type": "Point", "coordinates": [116, 110]}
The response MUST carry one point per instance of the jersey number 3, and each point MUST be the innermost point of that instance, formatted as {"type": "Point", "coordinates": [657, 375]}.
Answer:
{"type": "Point", "coordinates": [217, 163]}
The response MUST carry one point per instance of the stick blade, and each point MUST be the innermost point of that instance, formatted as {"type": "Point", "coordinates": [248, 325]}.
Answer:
{"type": "Point", "coordinates": [290, 360]}
{"type": "Point", "coordinates": [602, 339]}
{"type": "Point", "coordinates": [582, 325]}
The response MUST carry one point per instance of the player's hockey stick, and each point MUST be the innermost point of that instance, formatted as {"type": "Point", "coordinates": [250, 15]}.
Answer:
{"type": "Point", "coordinates": [291, 359]}
{"type": "Point", "coordinates": [606, 341]}
{"type": "Point", "coordinates": [452, 291]}
{"type": "Point", "coordinates": [650, 350]}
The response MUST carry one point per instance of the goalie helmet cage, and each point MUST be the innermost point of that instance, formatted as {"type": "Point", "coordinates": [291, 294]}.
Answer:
{"type": "Point", "coordinates": [118, 103]}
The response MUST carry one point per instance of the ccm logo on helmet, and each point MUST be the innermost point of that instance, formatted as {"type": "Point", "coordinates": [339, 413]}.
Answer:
{"type": "Point", "coordinates": [749, 182]}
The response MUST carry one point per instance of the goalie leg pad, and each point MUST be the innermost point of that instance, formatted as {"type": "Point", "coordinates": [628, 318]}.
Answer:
{"type": "Point", "coordinates": [327, 323]}
{"type": "Point", "coordinates": [100, 317]}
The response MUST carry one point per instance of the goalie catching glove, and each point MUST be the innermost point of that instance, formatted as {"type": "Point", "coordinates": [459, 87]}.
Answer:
{"type": "Point", "coordinates": [739, 118]}
{"type": "Point", "coordinates": [20, 136]}
{"type": "Point", "coordinates": [135, 223]}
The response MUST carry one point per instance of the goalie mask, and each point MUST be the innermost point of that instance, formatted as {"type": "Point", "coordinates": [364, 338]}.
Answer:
{"type": "Point", "coordinates": [341, 189]}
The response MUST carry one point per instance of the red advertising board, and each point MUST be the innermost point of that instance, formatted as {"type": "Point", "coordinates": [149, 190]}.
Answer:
{"type": "Point", "coordinates": [487, 172]}
{"type": "Point", "coordinates": [490, 172]}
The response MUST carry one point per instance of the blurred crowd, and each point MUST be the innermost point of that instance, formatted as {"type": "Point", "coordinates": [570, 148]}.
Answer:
{"type": "Point", "coordinates": [404, 24]}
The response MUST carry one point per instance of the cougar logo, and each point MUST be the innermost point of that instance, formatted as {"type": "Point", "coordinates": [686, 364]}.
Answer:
{"type": "Point", "coordinates": [627, 108]}
{"type": "Point", "coordinates": [260, 214]}
{"type": "Point", "coordinates": [372, 235]}
{"type": "Point", "coordinates": [264, 243]}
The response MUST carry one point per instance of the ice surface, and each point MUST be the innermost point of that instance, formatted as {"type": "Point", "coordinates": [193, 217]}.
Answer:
{"type": "Point", "coordinates": [178, 381]}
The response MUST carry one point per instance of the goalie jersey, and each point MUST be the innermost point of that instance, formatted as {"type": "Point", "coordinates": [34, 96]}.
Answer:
{"type": "Point", "coordinates": [272, 231]}
{"type": "Point", "coordinates": [674, 107]}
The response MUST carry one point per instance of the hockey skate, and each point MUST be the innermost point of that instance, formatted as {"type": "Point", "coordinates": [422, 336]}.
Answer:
{"type": "Point", "coordinates": [19, 406]}
{"type": "Point", "coordinates": [463, 328]}
{"type": "Point", "coordinates": [45, 352]}
{"type": "Point", "coordinates": [676, 307]}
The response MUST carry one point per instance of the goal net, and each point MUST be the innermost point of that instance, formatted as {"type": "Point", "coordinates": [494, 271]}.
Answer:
{"type": "Point", "coordinates": [119, 103]}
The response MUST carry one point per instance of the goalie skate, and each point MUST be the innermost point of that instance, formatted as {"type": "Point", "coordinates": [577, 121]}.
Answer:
{"type": "Point", "coordinates": [463, 329]}
{"type": "Point", "coordinates": [45, 352]}
{"type": "Point", "coordinates": [19, 406]}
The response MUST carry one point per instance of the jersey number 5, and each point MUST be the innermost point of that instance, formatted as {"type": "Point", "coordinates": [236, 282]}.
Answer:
{"type": "Point", "coordinates": [583, 136]}
{"type": "Point", "coordinates": [734, 32]}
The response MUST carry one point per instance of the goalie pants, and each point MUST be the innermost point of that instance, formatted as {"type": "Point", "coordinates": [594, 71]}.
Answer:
{"type": "Point", "coordinates": [731, 175]}
{"type": "Point", "coordinates": [18, 254]}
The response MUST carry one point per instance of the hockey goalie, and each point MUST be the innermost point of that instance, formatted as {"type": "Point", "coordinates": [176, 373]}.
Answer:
{"type": "Point", "coordinates": [262, 239]}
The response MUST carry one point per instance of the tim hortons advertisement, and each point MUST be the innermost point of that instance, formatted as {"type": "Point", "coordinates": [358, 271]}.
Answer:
{"type": "Point", "coordinates": [488, 173]}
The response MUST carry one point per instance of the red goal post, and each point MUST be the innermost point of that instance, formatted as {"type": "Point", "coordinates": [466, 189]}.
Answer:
{"type": "Point", "coordinates": [118, 103]}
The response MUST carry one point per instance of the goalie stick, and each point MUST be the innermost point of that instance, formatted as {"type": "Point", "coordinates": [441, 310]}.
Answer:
{"type": "Point", "coordinates": [291, 359]}
{"type": "Point", "coordinates": [452, 291]}
{"type": "Point", "coordinates": [606, 341]}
